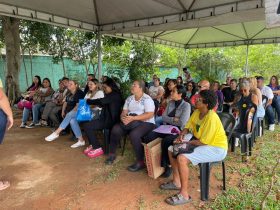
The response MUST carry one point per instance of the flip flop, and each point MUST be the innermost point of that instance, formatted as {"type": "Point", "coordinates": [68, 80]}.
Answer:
{"type": "Point", "coordinates": [4, 185]}
{"type": "Point", "coordinates": [169, 186]}
{"type": "Point", "coordinates": [178, 199]}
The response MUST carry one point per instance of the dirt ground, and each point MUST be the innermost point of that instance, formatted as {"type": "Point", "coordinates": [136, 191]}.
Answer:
{"type": "Point", "coordinates": [51, 175]}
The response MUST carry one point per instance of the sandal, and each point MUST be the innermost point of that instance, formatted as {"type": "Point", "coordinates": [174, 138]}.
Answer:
{"type": "Point", "coordinates": [177, 199]}
{"type": "Point", "coordinates": [169, 186]}
{"type": "Point", "coordinates": [4, 185]}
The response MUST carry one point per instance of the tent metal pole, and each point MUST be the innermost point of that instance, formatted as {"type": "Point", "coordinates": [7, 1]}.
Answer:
{"type": "Point", "coordinates": [247, 60]}
{"type": "Point", "coordinates": [99, 51]}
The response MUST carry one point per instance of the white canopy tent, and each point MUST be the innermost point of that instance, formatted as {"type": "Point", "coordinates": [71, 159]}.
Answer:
{"type": "Point", "coordinates": [178, 23]}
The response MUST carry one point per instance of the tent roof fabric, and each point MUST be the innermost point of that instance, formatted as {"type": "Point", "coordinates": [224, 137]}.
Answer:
{"type": "Point", "coordinates": [180, 23]}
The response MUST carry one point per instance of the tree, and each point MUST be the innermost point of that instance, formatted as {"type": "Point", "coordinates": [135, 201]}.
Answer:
{"type": "Point", "coordinates": [12, 42]}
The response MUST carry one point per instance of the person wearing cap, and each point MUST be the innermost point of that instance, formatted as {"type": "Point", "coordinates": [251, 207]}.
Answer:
{"type": "Point", "coordinates": [188, 77]}
{"type": "Point", "coordinates": [267, 91]}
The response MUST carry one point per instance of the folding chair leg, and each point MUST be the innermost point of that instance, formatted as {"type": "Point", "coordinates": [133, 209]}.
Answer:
{"type": "Point", "coordinates": [224, 175]}
{"type": "Point", "coordinates": [204, 180]}
{"type": "Point", "coordinates": [232, 144]}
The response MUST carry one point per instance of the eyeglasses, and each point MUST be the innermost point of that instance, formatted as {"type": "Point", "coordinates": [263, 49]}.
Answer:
{"type": "Point", "coordinates": [243, 90]}
{"type": "Point", "coordinates": [199, 99]}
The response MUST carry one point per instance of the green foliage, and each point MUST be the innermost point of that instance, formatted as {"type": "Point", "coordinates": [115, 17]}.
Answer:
{"type": "Point", "coordinates": [255, 178]}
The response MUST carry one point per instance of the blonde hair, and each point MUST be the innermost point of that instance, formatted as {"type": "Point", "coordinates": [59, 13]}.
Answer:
{"type": "Point", "coordinates": [253, 85]}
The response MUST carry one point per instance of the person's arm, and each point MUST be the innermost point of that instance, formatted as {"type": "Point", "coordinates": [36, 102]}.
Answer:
{"type": "Point", "coordinates": [254, 99]}
{"type": "Point", "coordinates": [5, 106]}
{"type": "Point", "coordinates": [47, 93]}
{"type": "Point", "coordinates": [160, 93]}
{"type": "Point", "coordinates": [101, 101]}
{"type": "Point", "coordinates": [269, 102]}
{"type": "Point", "coordinates": [277, 92]}
{"type": "Point", "coordinates": [165, 117]}
{"type": "Point", "coordinates": [124, 114]}
{"type": "Point", "coordinates": [63, 109]}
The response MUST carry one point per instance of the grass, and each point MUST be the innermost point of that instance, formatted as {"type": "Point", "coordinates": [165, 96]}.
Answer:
{"type": "Point", "coordinates": [259, 183]}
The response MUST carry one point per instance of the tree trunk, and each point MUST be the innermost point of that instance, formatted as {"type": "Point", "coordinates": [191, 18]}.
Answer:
{"type": "Point", "coordinates": [25, 70]}
{"type": "Point", "coordinates": [63, 66]}
{"type": "Point", "coordinates": [12, 43]}
{"type": "Point", "coordinates": [84, 59]}
{"type": "Point", "coordinates": [31, 63]}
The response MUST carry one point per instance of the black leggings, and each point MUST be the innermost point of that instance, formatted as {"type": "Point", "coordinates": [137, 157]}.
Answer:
{"type": "Point", "coordinates": [89, 128]}
{"type": "Point", "coordinates": [167, 140]}
{"type": "Point", "coordinates": [135, 136]}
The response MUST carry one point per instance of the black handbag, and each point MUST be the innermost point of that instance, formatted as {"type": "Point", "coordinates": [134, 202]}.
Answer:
{"type": "Point", "coordinates": [183, 148]}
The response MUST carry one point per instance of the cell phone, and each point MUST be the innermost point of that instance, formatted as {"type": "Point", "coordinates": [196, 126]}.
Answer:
{"type": "Point", "coordinates": [187, 137]}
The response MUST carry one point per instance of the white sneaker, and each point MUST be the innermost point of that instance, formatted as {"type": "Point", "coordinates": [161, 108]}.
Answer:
{"type": "Point", "coordinates": [271, 127]}
{"type": "Point", "coordinates": [52, 137]}
{"type": "Point", "coordinates": [236, 142]}
{"type": "Point", "coordinates": [78, 144]}
{"type": "Point", "coordinates": [23, 125]}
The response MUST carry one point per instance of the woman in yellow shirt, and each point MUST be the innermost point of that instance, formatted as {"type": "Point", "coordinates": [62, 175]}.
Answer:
{"type": "Point", "coordinates": [210, 139]}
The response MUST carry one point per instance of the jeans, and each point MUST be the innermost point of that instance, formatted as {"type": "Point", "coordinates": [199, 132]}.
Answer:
{"type": "Point", "coordinates": [276, 105]}
{"type": "Point", "coordinates": [90, 128]}
{"type": "Point", "coordinates": [3, 124]}
{"type": "Point", "coordinates": [35, 112]}
{"type": "Point", "coordinates": [159, 121]}
{"type": "Point", "coordinates": [71, 118]}
{"type": "Point", "coordinates": [25, 115]}
{"type": "Point", "coordinates": [269, 110]}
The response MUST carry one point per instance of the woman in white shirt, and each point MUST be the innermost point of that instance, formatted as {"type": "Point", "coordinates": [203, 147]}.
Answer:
{"type": "Point", "coordinates": [93, 93]}
{"type": "Point", "coordinates": [137, 119]}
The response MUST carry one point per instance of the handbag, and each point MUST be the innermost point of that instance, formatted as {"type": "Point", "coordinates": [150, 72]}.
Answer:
{"type": "Point", "coordinates": [182, 148]}
{"type": "Point", "coordinates": [84, 112]}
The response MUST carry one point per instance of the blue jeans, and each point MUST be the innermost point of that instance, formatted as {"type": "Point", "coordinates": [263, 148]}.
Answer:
{"type": "Point", "coordinates": [35, 112]}
{"type": "Point", "coordinates": [3, 125]}
{"type": "Point", "coordinates": [269, 110]}
{"type": "Point", "coordinates": [158, 121]}
{"type": "Point", "coordinates": [25, 115]}
{"type": "Point", "coordinates": [70, 118]}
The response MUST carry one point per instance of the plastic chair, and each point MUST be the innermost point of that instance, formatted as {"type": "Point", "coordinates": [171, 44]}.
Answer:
{"type": "Point", "coordinates": [229, 123]}
{"type": "Point", "coordinates": [246, 139]}
{"type": "Point", "coordinates": [260, 120]}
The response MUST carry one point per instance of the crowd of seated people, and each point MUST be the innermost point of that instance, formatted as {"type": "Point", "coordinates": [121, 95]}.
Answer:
{"type": "Point", "coordinates": [188, 106]}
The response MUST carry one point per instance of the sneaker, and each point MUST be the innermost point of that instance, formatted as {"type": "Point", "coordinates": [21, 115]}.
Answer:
{"type": "Point", "coordinates": [236, 142]}
{"type": "Point", "coordinates": [31, 125]}
{"type": "Point", "coordinates": [110, 160]}
{"type": "Point", "coordinates": [87, 150]}
{"type": "Point", "coordinates": [95, 153]}
{"type": "Point", "coordinates": [271, 127]}
{"type": "Point", "coordinates": [23, 125]}
{"type": "Point", "coordinates": [44, 123]}
{"type": "Point", "coordinates": [52, 137]}
{"type": "Point", "coordinates": [78, 144]}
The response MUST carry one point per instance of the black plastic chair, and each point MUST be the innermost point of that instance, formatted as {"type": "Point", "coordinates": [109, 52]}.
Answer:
{"type": "Point", "coordinates": [246, 139]}
{"type": "Point", "coordinates": [228, 122]}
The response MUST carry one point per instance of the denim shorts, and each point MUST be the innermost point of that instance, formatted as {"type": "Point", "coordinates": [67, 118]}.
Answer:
{"type": "Point", "coordinates": [3, 125]}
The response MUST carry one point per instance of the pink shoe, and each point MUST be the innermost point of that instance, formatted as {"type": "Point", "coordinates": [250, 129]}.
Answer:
{"type": "Point", "coordinates": [87, 150]}
{"type": "Point", "coordinates": [95, 153]}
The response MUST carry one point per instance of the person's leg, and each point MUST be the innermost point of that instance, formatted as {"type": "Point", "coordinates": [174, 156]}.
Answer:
{"type": "Point", "coordinates": [158, 120]}
{"type": "Point", "coordinates": [47, 110]}
{"type": "Point", "coordinates": [53, 115]}
{"type": "Point", "coordinates": [35, 112]}
{"type": "Point", "coordinates": [25, 115]}
{"type": "Point", "coordinates": [117, 133]}
{"type": "Point", "coordinates": [3, 124]}
{"type": "Point", "coordinates": [183, 168]}
{"type": "Point", "coordinates": [136, 135]}
{"type": "Point", "coordinates": [77, 132]}
{"type": "Point", "coordinates": [90, 128]}
{"type": "Point", "coordinates": [152, 136]}
{"type": "Point", "coordinates": [62, 126]}
{"type": "Point", "coordinates": [276, 105]}
{"type": "Point", "coordinates": [166, 142]}
{"type": "Point", "coordinates": [174, 165]}
{"type": "Point", "coordinates": [270, 115]}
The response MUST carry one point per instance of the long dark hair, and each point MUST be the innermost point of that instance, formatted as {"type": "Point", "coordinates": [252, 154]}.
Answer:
{"type": "Point", "coordinates": [276, 80]}
{"type": "Point", "coordinates": [193, 85]}
{"type": "Point", "coordinates": [167, 92]}
{"type": "Point", "coordinates": [48, 81]}
{"type": "Point", "coordinates": [33, 84]}
{"type": "Point", "coordinates": [112, 84]}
